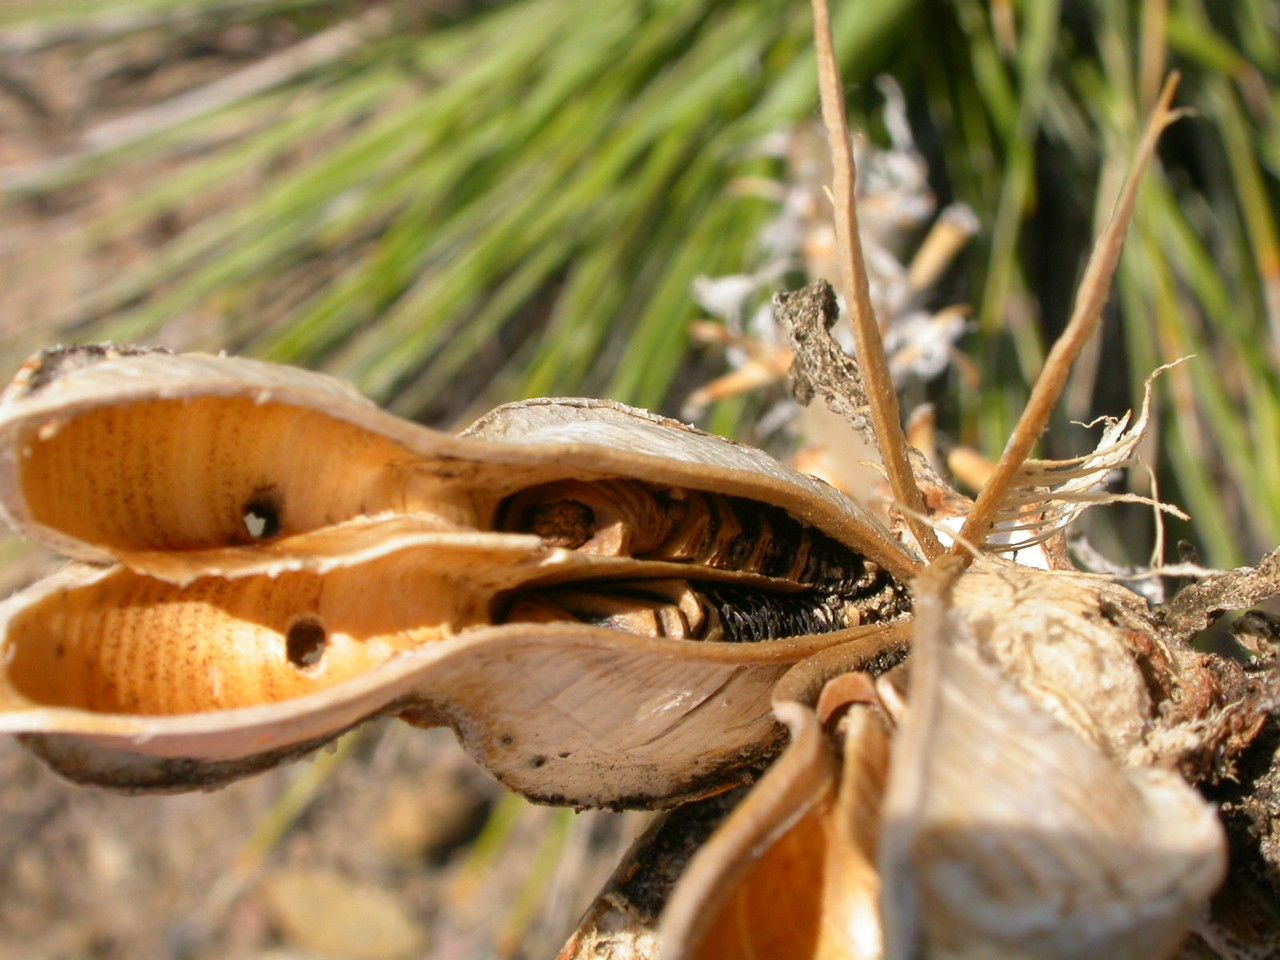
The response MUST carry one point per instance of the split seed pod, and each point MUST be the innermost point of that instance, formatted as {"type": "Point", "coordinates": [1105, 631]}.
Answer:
{"type": "Point", "coordinates": [1007, 834]}
{"type": "Point", "coordinates": [597, 600]}
{"type": "Point", "coordinates": [943, 810]}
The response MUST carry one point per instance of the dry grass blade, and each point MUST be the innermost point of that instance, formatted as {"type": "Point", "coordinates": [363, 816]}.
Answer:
{"type": "Point", "coordinates": [1085, 318]}
{"type": "Point", "coordinates": [871, 356]}
{"type": "Point", "coordinates": [1045, 496]}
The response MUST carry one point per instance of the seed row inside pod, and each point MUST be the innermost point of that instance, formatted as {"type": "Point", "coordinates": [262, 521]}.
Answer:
{"type": "Point", "coordinates": [761, 574]}
{"type": "Point", "coordinates": [266, 551]}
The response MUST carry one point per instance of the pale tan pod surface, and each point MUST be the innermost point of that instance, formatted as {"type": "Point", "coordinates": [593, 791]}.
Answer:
{"type": "Point", "coordinates": [128, 681]}
{"type": "Point", "coordinates": [665, 450]}
{"type": "Point", "coordinates": [127, 643]}
{"type": "Point", "coordinates": [790, 874]}
{"type": "Point", "coordinates": [495, 560]}
{"type": "Point", "coordinates": [712, 911]}
{"type": "Point", "coordinates": [1056, 635]}
{"type": "Point", "coordinates": [178, 475]}
{"type": "Point", "coordinates": [156, 460]}
{"type": "Point", "coordinates": [568, 713]}
{"type": "Point", "coordinates": [1007, 835]}
{"type": "Point", "coordinates": [159, 452]}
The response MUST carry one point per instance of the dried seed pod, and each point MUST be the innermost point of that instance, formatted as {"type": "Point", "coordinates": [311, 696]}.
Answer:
{"type": "Point", "coordinates": [1008, 835]}
{"type": "Point", "coordinates": [1003, 823]}
{"type": "Point", "coordinates": [598, 600]}
{"type": "Point", "coordinates": [791, 873]}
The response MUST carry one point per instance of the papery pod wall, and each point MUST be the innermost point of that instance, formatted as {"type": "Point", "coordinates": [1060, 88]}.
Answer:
{"type": "Point", "coordinates": [566, 584]}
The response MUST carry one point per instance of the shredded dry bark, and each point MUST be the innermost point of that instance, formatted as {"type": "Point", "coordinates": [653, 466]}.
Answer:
{"type": "Point", "coordinates": [1240, 756]}
{"type": "Point", "coordinates": [1196, 607]}
{"type": "Point", "coordinates": [821, 367]}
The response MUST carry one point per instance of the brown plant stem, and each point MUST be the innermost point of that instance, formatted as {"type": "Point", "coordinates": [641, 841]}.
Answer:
{"type": "Point", "coordinates": [866, 333]}
{"type": "Point", "coordinates": [1085, 319]}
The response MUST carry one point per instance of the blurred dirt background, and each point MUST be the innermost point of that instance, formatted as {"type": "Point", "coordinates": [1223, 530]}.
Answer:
{"type": "Point", "coordinates": [394, 845]}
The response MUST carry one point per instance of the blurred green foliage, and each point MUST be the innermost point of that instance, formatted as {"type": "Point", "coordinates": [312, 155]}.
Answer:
{"type": "Point", "coordinates": [514, 198]}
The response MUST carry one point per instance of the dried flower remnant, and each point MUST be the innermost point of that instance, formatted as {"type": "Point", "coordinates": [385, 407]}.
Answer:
{"type": "Point", "coordinates": [896, 203]}
{"type": "Point", "coordinates": [1045, 496]}
{"type": "Point", "coordinates": [894, 195]}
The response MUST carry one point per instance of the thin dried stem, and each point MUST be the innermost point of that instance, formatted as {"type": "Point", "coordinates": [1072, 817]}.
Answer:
{"type": "Point", "coordinates": [1157, 548]}
{"type": "Point", "coordinates": [871, 356]}
{"type": "Point", "coordinates": [1085, 318]}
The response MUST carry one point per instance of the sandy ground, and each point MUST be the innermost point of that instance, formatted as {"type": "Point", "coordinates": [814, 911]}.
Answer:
{"type": "Point", "coordinates": [389, 857]}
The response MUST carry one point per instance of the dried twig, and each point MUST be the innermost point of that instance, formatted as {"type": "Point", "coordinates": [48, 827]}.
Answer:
{"type": "Point", "coordinates": [871, 356]}
{"type": "Point", "coordinates": [1085, 318]}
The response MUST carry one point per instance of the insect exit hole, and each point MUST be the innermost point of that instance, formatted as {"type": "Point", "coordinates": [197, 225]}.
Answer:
{"type": "Point", "coordinates": [305, 642]}
{"type": "Point", "coordinates": [261, 514]}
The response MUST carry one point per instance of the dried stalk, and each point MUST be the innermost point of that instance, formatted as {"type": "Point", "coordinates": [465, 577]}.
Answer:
{"type": "Point", "coordinates": [1085, 318]}
{"type": "Point", "coordinates": [872, 361]}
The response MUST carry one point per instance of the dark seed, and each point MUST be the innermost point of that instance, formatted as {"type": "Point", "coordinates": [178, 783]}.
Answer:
{"type": "Point", "coordinates": [564, 523]}
{"type": "Point", "coordinates": [305, 642]}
